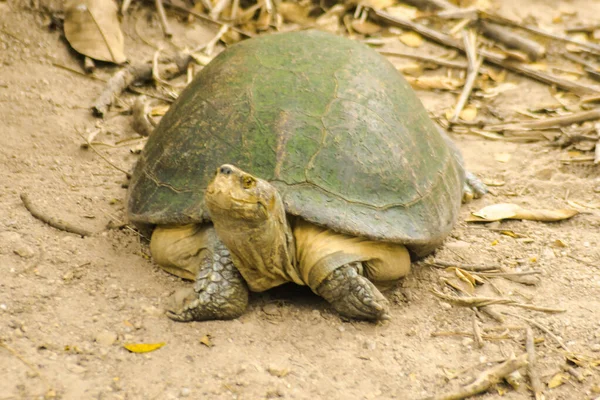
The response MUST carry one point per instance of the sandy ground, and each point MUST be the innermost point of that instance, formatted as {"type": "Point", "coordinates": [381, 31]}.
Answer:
{"type": "Point", "coordinates": [67, 304]}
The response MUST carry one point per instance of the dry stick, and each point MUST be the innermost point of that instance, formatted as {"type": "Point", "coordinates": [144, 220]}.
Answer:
{"type": "Point", "coordinates": [52, 221]}
{"type": "Point", "coordinates": [27, 363]}
{"type": "Point", "coordinates": [540, 327]}
{"type": "Point", "coordinates": [127, 174]}
{"type": "Point", "coordinates": [498, 33]}
{"type": "Point", "coordinates": [141, 123]}
{"type": "Point", "coordinates": [533, 49]}
{"type": "Point", "coordinates": [477, 331]}
{"type": "Point", "coordinates": [208, 19]}
{"type": "Point", "coordinates": [474, 64]}
{"type": "Point", "coordinates": [534, 378]}
{"type": "Point", "coordinates": [507, 274]}
{"type": "Point", "coordinates": [467, 267]}
{"type": "Point", "coordinates": [486, 379]}
{"type": "Point", "coordinates": [533, 29]}
{"type": "Point", "coordinates": [118, 83]}
{"type": "Point", "coordinates": [491, 57]}
{"type": "Point", "coordinates": [551, 122]}
{"type": "Point", "coordinates": [435, 60]}
{"type": "Point", "coordinates": [125, 6]}
{"type": "Point", "coordinates": [163, 18]}
{"type": "Point", "coordinates": [487, 301]}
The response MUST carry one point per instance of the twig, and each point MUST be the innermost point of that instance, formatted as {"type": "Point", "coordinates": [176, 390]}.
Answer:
{"type": "Point", "coordinates": [551, 122]}
{"type": "Point", "coordinates": [163, 18]}
{"type": "Point", "coordinates": [486, 379]}
{"type": "Point", "coordinates": [533, 49]}
{"type": "Point", "coordinates": [487, 301]}
{"type": "Point", "coordinates": [491, 57]}
{"type": "Point", "coordinates": [477, 331]}
{"type": "Point", "coordinates": [73, 70]}
{"type": "Point", "coordinates": [540, 327]}
{"type": "Point", "coordinates": [52, 221]}
{"type": "Point", "coordinates": [467, 267]}
{"type": "Point", "coordinates": [119, 82]}
{"type": "Point", "coordinates": [125, 6]}
{"type": "Point", "coordinates": [140, 123]}
{"type": "Point", "coordinates": [440, 61]}
{"type": "Point", "coordinates": [498, 33]}
{"type": "Point", "coordinates": [491, 312]}
{"type": "Point", "coordinates": [207, 19]}
{"type": "Point", "coordinates": [127, 174]}
{"type": "Point", "coordinates": [507, 274]}
{"type": "Point", "coordinates": [534, 378]}
{"type": "Point", "coordinates": [474, 64]}
{"type": "Point", "coordinates": [533, 29]}
{"type": "Point", "coordinates": [29, 365]}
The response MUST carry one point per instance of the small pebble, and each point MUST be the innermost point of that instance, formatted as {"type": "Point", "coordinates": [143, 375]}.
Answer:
{"type": "Point", "coordinates": [185, 392]}
{"type": "Point", "coordinates": [467, 342]}
{"type": "Point", "coordinates": [445, 306]}
{"type": "Point", "coordinates": [271, 309]}
{"type": "Point", "coordinates": [106, 338]}
{"type": "Point", "coordinates": [596, 347]}
{"type": "Point", "coordinates": [369, 344]}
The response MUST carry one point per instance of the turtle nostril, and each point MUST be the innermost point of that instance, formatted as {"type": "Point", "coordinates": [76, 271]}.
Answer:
{"type": "Point", "coordinates": [225, 170]}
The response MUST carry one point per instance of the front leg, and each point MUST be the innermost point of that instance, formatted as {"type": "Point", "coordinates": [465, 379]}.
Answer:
{"type": "Point", "coordinates": [219, 292]}
{"type": "Point", "coordinates": [353, 295]}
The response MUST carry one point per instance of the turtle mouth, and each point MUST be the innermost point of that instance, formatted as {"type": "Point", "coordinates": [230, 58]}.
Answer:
{"type": "Point", "coordinates": [235, 207]}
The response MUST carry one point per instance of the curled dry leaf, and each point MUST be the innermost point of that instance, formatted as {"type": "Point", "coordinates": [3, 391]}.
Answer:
{"type": "Point", "coordinates": [143, 347]}
{"type": "Point", "coordinates": [92, 28]}
{"type": "Point", "coordinates": [498, 212]}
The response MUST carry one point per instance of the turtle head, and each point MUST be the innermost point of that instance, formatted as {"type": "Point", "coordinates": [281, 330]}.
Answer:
{"type": "Point", "coordinates": [236, 195]}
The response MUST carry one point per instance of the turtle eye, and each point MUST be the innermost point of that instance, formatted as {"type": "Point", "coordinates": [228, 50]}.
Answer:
{"type": "Point", "coordinates": [248, 182]}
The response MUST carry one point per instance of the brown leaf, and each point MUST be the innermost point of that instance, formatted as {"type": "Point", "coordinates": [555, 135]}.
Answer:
{"type": "Point", "coordinates": [498, 212]}
{"type": "Point", "coordinates": [411, 39]}
{"type": "Point", "coordinates": [365, 27]}
{"type": "Point", "coordinates": [557, 380]}
{"type": "Point", "coordinates": [92, 28]}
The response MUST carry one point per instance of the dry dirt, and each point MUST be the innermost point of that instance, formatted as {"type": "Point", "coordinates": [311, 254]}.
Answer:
{"type": "Point", "coordinates": [67, 304]}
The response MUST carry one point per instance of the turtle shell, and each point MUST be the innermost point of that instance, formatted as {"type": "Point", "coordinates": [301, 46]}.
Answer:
{"type": "Point", "coordinates": [328, 121]}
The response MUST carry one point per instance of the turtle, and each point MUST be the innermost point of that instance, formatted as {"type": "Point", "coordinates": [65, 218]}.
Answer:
{"type": "Point", "coordinates": [299, 157]}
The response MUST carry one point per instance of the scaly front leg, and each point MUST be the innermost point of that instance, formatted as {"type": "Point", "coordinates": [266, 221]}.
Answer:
{"type": "Point", "coordinates": [219, 292]}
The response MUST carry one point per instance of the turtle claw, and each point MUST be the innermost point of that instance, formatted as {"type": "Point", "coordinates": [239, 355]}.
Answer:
{"type": "Point", "coordinates": [352, 295]}
{"type": "Point", "coordinates": [474, 188]}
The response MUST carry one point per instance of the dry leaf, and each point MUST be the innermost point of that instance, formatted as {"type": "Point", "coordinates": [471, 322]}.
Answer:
{"type": "Point", "coordinates": [160, 110]}
{"type": "Point", "coordinates": [539, 66]}
{"type": "Point", "coordinates": [412, 69]}
{"type": "Point", "coordinates": [502, 157]}
{"type": "Point", "coordinates": [143, 347]}
{"type": "Point", "coordinates": [559, 243]}
{"type": "Point", "coordinates": [93, 29]}
{"type": "Point", "coordinates": [205, 340]}
{"type": "Point", "coordinates": [377, 4]}
{"type": "Point", "coordinates": [294, 12]}
{"type": "Point", "coordinates": [557, 380]}
{"type": "Point", "coordinates": [402, 11]}
{"type": "Point", "coordinates": [469, 113]}
{"type": "Point", "coordinates": [498, 212]}
{"type": "Point", "coordinates": [434, 82]}
{"type": "Point", "coordinates": [411, 39]}
{"type": "Point", "coordinates": [365, 27]}
{"type": "Point", "coordinates": [460, 285]}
